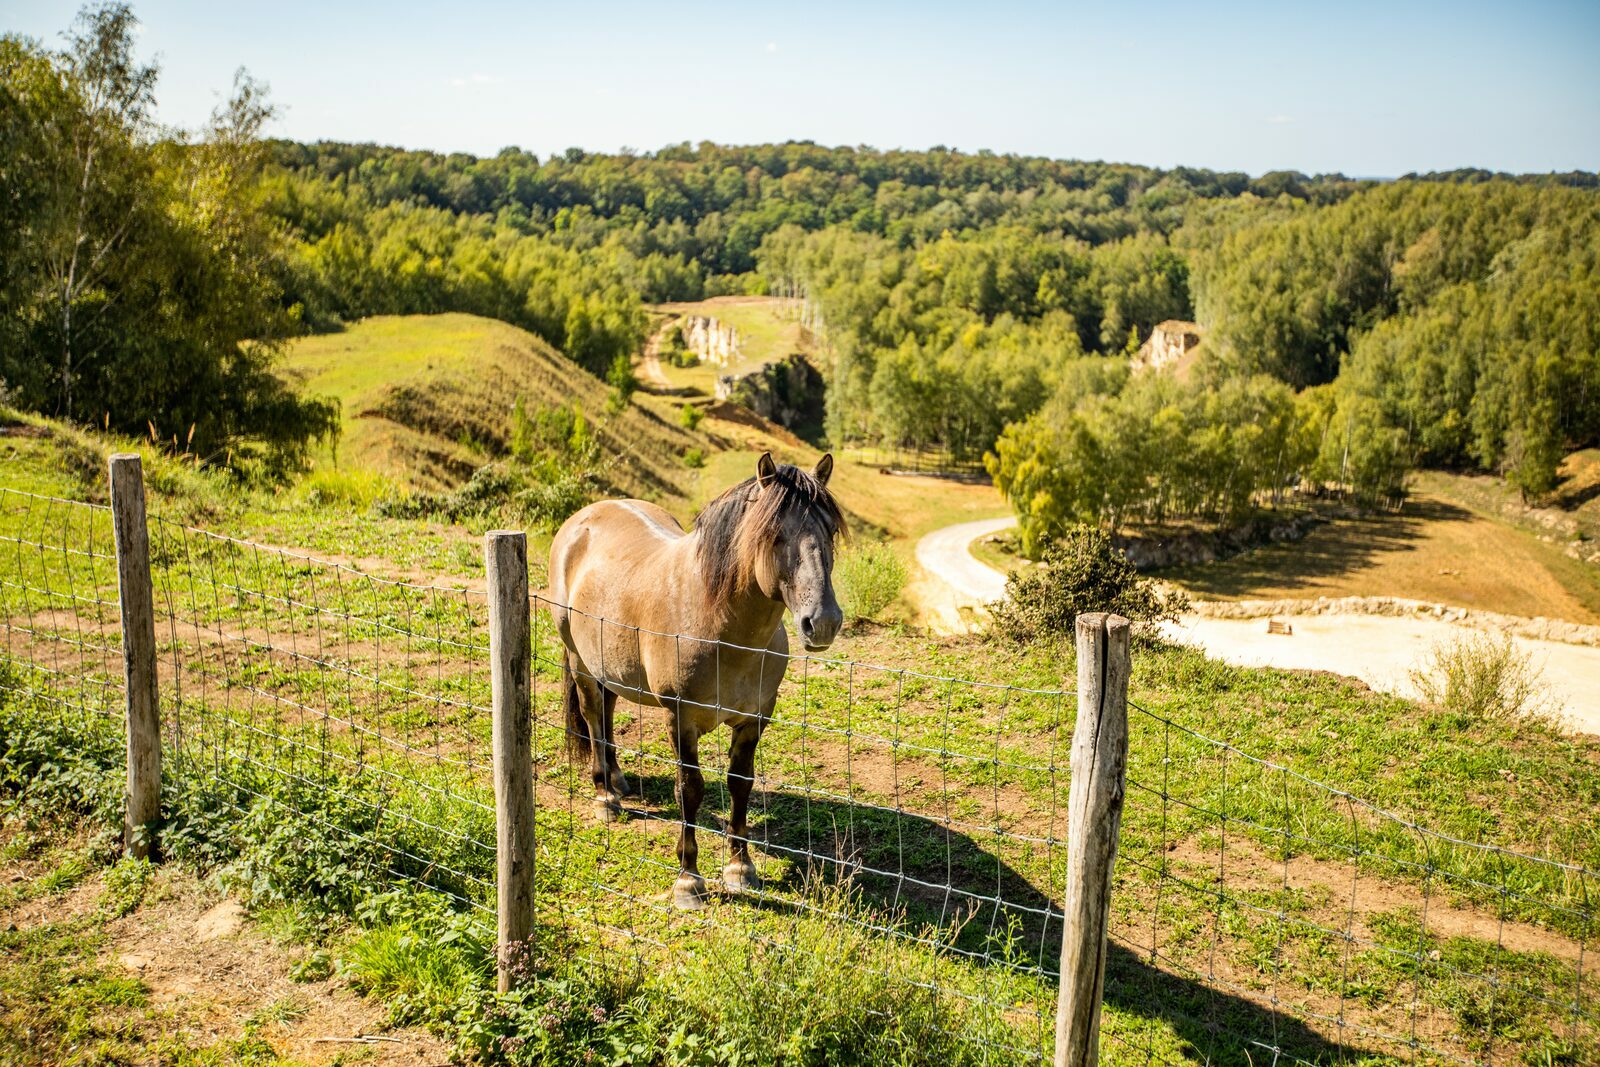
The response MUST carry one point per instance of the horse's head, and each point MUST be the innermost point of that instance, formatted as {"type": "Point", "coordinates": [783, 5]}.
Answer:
{"type": "Point", "coordinates": [776, 532]}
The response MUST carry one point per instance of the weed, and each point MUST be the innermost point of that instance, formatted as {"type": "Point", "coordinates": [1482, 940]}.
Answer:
{"type": "Point", "coordinates": [694, 458]}
{"type": "Point", "coordinates": [689, 417]}
{"type": "Point", "coordinates": [1081, 572]}
{"type": "Point", "coordinates": [314, 966]}
{"type": "Point", "coordinates": [870, 577]}
{"type": "Point", "coordinates": [126, 883]}
{"type": "Point", "coordinates": [1482, 677]}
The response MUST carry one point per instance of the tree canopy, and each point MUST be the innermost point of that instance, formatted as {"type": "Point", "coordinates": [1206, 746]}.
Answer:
{"type": "Point", "coordinates": [139, 275]}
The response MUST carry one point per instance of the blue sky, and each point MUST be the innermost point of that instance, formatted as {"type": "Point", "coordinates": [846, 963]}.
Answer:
{"type": "Point", "coordinates": [1364, 88]}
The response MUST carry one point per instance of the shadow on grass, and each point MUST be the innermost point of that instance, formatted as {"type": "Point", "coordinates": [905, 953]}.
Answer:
{"type": "Point", "coordinates": [1341, 547]}
{"type": "Point", "coordinates": [960, 892]}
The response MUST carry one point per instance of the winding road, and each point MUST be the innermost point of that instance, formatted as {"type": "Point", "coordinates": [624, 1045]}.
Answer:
{"type": "Point", "coordinates": [957, 583]}
{"type": "Point", "coordinates": [1379, 650]}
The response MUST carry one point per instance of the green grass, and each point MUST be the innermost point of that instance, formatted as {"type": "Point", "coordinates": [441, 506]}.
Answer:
{"type": "Point", "coordinates": [426, 399]}
{"type": "Point", "coordinates": [364, 705]}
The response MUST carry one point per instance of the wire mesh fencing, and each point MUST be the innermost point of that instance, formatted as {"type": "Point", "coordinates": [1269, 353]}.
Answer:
{"type": "Point", "coordinates": [909, 828]}
{"type": "Point", "coordinates": [1270, 917]}
{"type": "Point", "coordinates": [58, 587]}
{"type": "Point", "coordinates": [924, 812]}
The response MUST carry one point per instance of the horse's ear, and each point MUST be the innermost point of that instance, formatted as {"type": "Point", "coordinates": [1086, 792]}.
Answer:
{"type": "Point", "coordinates": [766, 470]}
{"type": "Point", "coordinates": [824, 468]}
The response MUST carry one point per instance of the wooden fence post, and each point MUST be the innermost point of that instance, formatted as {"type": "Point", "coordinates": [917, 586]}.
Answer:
{"type": "Point", "coordinates": [1094, 817]}
{"type": "Point", "coordinates": [506, 556]}
{"type": "Point", "coordinates": [142, 797]}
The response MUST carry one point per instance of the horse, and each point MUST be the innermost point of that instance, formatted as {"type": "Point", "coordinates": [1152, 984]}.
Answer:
{"type": "Point", "coordinates": [693, 623]}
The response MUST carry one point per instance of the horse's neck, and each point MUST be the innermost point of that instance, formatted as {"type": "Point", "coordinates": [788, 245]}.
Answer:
{"type": "Point", "coordinates": [750, 618]}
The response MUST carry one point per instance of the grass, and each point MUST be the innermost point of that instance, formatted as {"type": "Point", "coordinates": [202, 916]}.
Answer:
{"type": "Point", "coordinates": [872, 774]}
{"type": "Point", "coordinates": [1570, 517]}
{"type": "Point", "coordinates": [362, 705]}
{"type": "Point", "coordinates": [427, 399]}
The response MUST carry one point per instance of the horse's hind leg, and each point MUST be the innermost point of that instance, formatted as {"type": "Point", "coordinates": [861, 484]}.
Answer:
{"type": "Point", "coordinates": [740, 873]}
{"type": "Point", "coordinates": [689, 892]}
{"type": "Point", "coordinates": [614, 776]}
{"type": "Point", "coordinates": [593, 701]}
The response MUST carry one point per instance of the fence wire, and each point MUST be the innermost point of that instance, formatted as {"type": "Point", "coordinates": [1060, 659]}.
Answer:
{"type": "Point", "coordinates": [925, 811]}
{"type": "Point", "coordinates": [1316, 927]}
{"type": "Point", "coordinates": [58, 584]}
{"type": "Point", "coordinates": [909, 827]}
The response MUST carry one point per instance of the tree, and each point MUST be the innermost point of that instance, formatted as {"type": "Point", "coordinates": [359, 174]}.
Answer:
{"type": "Point", "coordinates": [102, 176]}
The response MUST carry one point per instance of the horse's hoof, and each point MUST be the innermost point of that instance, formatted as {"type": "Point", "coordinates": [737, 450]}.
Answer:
{"type": "Point", "coordinates": [741, 878]}
{"type": "Point", "coordinates": [689, 893]}
{"type": "Point", "coordinates": [607, 811]}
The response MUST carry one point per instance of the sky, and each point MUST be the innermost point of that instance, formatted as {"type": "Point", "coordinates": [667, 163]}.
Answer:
{"type": "Point", "coordinates": [1367, 89]}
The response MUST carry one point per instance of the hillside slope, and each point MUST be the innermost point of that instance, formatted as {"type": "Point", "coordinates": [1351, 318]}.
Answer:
{"type": "Point", "coordinates": [427, 399]}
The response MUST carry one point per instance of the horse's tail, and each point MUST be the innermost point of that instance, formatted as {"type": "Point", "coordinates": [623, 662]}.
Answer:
{"type": "Point", "coordinates": [578, 741]}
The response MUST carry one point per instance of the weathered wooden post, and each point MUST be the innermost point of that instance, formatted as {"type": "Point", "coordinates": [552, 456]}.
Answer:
{"type": "Point", "coordinates": [506, 556]}
{"type": "Point", "coordinates": [1094, 817]}
{"type": "Point", "coordinates": [142, 797]}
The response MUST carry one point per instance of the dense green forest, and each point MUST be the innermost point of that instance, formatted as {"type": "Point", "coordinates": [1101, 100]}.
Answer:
{"type": "Point", "coordinates": [1443, 319]}
{"type": "Point", "coordinates": [973, 302]}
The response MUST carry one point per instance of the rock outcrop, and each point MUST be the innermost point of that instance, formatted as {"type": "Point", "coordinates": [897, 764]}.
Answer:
{"type": "Point", "coordinates": [715, 342]}
{"type": "Point", "coordinates": [1167, 345]}
{"type": "Point", "coordinates": [1147, 552]}
{"type": "Point", "coordinates": [790, 392]}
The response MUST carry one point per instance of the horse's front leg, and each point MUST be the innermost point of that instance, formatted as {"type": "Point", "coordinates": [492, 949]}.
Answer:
{"type": "Point", "coordinates": [740, 873]}
{"type": "Point", "coordinates": [689, 892]}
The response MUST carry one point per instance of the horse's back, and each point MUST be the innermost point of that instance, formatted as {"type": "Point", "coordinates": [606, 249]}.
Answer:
{"type": "Point", "coordinates": [611, 535]}
{"type": "Point", "coordinates": [616, 562]}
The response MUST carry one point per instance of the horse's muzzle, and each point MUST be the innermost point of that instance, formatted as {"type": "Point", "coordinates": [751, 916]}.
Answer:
{"type": "Point", "coordinates": [819, 628]}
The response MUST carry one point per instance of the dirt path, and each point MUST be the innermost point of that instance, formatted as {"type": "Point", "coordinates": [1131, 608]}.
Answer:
{"type": "Point", "coordinates": [1379, 650]}
{"type": "Point", "coordinates": [958, 582]}
{"type": "Point", "coordinates": [650, 372]}
{"type": "Point", "coordinates": [1383, 650]}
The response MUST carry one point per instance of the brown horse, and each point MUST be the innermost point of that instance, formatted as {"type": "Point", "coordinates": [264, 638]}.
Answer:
{"type": "Point", "coordinates": [693, 623]}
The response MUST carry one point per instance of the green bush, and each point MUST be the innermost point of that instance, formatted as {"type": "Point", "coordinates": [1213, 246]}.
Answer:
{"type": "Point", "coordinates": [1080, 572]}
{"type": "Point", "coordinates": [870, 576]}
{"type": "Point", "coordinates": [623, 383]}
{"type": "Point", "coordinates": [1481, 677]}
{"type": "Point", "coordinates": [694, 458]}
{"type": "Point", "coordinates": [689, 417]}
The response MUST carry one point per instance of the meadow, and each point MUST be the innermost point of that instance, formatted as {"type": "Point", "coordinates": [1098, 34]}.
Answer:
{"type": "Point", "coordinates": [331, 746]}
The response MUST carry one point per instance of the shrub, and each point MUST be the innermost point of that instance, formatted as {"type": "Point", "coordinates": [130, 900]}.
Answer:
{"type": "Point", "coordinates": [1080, 572]}
{"type": "Point", "coordinates": [689, 417]}
{"type": "Point", "coordinates": [694, 457]}
{"type": "Point", "coordinates": [870, 576]}
{"type": "Point", "coordinates": [354, 489]}
{"type": "Point", "coordinates": [1481, 677]}
{"type": "Point", "coordinates": [623, 383]}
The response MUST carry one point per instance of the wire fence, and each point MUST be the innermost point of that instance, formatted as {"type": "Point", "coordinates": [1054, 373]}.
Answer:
{"type": "Point", "coordinates": [908, 826]}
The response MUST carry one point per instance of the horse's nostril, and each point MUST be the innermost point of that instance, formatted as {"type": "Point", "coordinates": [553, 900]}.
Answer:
{"type": "Point", "coordinates": [806, 627]}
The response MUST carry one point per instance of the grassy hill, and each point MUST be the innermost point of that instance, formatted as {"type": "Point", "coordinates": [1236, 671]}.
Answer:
{"type": "Point", "coordinates": [428, 399]}
{"type": "Point", "coordinates": [1434, 549]}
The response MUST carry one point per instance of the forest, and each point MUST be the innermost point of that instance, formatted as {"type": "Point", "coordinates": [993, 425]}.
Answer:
{"type": "Point", "coordinates": [977, 303]}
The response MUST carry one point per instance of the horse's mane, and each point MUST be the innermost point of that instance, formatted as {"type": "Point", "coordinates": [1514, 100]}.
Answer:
{"type": "Point", "coordinates": [744, 522]}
